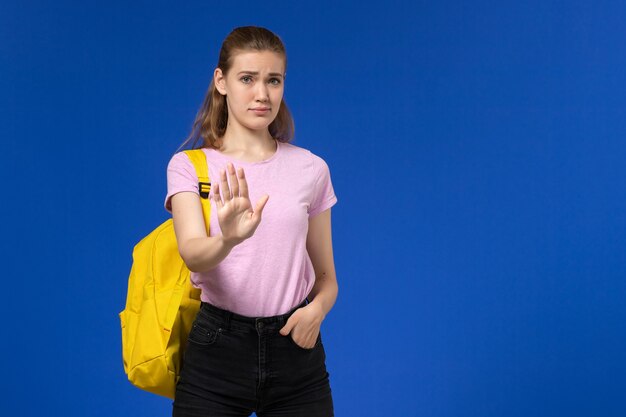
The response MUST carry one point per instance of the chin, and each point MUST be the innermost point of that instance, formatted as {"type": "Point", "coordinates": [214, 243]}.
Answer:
{"type": "Point", "coordinates": [257, 126]}
{"type": "Point", "coordinates": [260, 124]}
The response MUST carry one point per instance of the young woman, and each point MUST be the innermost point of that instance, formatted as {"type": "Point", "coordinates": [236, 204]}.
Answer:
{"type": "Point", "coordinates": [266, 273]}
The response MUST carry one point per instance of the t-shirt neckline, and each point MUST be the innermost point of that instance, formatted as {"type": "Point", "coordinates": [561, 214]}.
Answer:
{"type": "Point", "coordinates": [238, 162]}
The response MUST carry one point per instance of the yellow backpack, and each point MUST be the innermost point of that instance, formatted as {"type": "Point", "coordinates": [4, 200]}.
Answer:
{"type": "Point", "coordinates": [161, 303]}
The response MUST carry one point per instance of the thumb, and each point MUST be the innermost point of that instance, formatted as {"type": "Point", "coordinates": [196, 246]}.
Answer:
{"type": "Point", "coordinates": [258, 210]}
{"type": "Point", "coordinates": [288, 326]}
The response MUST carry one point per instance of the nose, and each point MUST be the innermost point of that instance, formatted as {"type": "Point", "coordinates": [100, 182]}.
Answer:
{"type": "Point", "coordinates": [262, 93]}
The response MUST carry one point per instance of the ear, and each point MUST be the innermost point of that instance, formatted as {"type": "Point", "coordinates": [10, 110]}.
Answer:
{"type": "Point", "coordinates": [219, 81]}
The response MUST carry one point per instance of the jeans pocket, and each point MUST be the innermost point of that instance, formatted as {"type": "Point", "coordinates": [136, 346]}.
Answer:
{"type": "Point", "coordinates": [317, 342]}
{"type": "Point", "coordinates": [204, 333]}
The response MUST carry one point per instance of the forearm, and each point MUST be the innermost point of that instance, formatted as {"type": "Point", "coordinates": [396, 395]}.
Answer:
{"type": "Point", "coordinates": [324, 292]}
{"type": "Point", "coordinates": [205, 253]}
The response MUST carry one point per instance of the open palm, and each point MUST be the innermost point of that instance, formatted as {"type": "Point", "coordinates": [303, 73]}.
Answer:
{"type": "Point", "coordinates": [234, 211]}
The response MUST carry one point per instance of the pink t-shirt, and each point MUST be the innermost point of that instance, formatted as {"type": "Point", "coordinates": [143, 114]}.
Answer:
{"type": "Point", "coordinates": [271, 272]}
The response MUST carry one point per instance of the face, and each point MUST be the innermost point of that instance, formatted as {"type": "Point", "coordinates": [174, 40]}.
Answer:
{"type": "Point", "coordinates": [253, 88]}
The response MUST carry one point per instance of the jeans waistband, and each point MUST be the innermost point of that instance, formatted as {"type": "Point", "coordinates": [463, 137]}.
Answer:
{"type": "Point", "coordinates": [230, 316]}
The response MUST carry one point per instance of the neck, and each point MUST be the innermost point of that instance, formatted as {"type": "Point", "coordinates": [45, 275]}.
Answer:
{"type": "Point", "coordinates": [237, 139]}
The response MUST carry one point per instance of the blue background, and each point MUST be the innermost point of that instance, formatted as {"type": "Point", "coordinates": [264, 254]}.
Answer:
{"type": "Point", "coordinates": [476, 148]}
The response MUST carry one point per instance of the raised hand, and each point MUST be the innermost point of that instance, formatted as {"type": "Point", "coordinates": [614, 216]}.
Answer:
{"type": "Point", "coordinates": [234, 211]}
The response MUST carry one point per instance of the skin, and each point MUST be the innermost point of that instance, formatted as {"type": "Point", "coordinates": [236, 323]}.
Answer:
{"type": "Point", "coordinates": [247, 138]}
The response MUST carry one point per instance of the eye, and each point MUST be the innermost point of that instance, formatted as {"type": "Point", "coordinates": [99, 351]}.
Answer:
{"type": "Point", "coordinates": [245, 77]}
{"type": "Point", "coordinates": [275, 79]}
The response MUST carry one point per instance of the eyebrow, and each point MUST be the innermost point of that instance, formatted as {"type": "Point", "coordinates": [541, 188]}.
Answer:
{"type": "Point", "coordinates": [257, 73]}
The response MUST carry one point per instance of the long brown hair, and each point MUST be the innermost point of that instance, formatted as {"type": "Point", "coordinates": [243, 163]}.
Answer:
{"type": "Point", "coordinates": [211, 120]}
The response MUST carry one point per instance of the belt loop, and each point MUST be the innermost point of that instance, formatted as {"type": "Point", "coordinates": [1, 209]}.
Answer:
{"type": "Point", "coordinates": [227, 318]}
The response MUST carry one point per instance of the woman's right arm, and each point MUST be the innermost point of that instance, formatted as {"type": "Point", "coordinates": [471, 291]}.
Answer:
{"type": "Point", "coordinates": [234, 212]}
{"type": "Point", "coordinates": [199, 251]}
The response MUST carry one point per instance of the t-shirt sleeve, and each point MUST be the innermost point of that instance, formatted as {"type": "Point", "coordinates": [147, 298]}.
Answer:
{"type": "Point", "coordinates": [181, 176]}
{"type": "Point", "coordinates": [323, 192]}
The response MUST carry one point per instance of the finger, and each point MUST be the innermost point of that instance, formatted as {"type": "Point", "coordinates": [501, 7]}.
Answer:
{"type": "Point", "coordinates": [232, 177]}
{"type": "Point", "coordinates": [217, 198]}
{"type": "Point", "coordinates": [258, 210]}
{"type": "Point", "coordinates": [288, 326]}
{"type": "Point", "coordinates": [243, 184]}
{"type": "Point", "coordinates": [226, 195]}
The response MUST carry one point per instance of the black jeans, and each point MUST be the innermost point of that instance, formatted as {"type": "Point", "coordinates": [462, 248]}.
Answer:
{"type": "Point", "coordinates": [235, 365]}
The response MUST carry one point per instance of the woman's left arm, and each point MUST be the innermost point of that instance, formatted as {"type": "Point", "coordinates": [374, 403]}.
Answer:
{"type": "Point", "coordinates": [319, 245]}
{"type": "Point", "coordinates": [306, 321]}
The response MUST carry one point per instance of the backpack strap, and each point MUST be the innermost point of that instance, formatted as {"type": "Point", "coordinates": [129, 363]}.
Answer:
{"type": "Point", "coordinates": [198, 158]}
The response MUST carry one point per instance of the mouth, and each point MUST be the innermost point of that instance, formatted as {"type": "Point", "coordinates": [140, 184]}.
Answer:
{"type": "Point", "coordinates": [261, 110]}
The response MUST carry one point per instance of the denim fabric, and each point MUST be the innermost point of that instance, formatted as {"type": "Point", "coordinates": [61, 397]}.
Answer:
{"type": "Point", "coordinates": [235, 365]}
